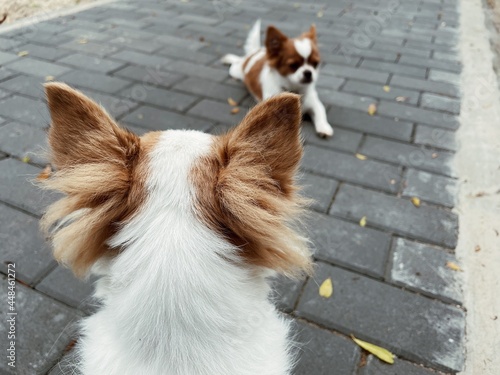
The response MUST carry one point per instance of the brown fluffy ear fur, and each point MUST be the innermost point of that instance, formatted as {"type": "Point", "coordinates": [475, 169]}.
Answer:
{"type": "Point", "coordinates": [275, 40]}
{"type": "Point", "coordinates": [311, 34]}
{"type": "Point", "coordinates": [246, 189]}
{"type": "Point", "coordinates": [98, 170]}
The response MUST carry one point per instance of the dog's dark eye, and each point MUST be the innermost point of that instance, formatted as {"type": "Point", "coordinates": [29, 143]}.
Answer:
{"type": "Point", "coordinates": [294, 66]}
{"type": "Point", "coordinates": [314, 64]}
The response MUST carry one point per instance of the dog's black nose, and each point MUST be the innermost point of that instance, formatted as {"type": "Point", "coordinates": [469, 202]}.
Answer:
{"type": "Point", "coordinates": [307, 74]}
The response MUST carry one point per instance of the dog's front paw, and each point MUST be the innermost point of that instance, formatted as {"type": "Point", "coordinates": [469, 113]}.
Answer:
{"type": "Point", "coordinates": [324, 131]}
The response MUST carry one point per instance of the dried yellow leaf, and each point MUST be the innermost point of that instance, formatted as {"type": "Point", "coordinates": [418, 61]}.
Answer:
{"type": "Point", "coordinates": [49, 78]}
{"type": "Point", "coordinates": [23, 53]}
{"type": "Point", "coordinates": [82, 41]}
{"type": "Point", "coordinates": [232, 102]}
{"type": "Point", "coordinates": [320, 14]}
{"type": "Point", "coordinates": [415, 201]}
{"type": "Point", "coordinates": [434, 155]}
{"type": "Point", "coordinates": [235, 110]}
{"type": "Point", "coordinates": [401, 98]}
{"type": "Point", "coordinates": [362, 222]}
{"type": "Point", "coordinates": [453, 266]}
{"type": "Point", "coordinates": [377, 351]}
{"type": "Point", "coordinates": [326, 288]}
{"type": "Point", "coordinates": [387, 88]}
{"type": "Point", "coordinates": [477, 249]}
{"type": "Point", "coordinates": [26, 159]}
{"type": "Point", "coordinates": [361, 157]}
{"type": "Point", "coordinates": [45, 173]}
{"type": "Point", "coordinates": [372, 109]}
{"type": "Point", "coordinates": [296, 5]}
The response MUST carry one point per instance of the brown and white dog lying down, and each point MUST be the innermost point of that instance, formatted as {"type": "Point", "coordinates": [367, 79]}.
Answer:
{"type": "Point", "coordinates": [285, 64]}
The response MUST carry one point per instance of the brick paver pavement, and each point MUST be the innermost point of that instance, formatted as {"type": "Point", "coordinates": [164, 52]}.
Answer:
{"type": "Point", "coordinates": [155, 65]}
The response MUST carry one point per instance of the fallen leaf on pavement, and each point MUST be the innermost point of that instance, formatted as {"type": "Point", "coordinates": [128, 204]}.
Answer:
{"type": "Point", "coordinates": [326, 288]}
{"type": "Point", "coordinates": [320, 14]}
{"type": "Point", "coordinates": [26, 159]}
{"type": "Point", "coordinates": [232, 102]}
{"type": "Point", "coordinates": [235, 110]}
{"type": "Point", "coordinates": [377, 351]}
{"type": "Point", "coordinates": [387, 88]}
{"type": "Point", "coordinates": [82, 41]}
{"type": "Point", "coordinates": [23, 53]}
{"type": "Point", "coordinates": [49, 78]}
{"type": "Point", "coordinates": [434, 155]}
{"type": "Point", "coordinates": [477, 249]}
{"type": "Point", "coordinates": [45, 173]}
{"type": "Point", "coordinates": [372, 109]}
{"type": "Point", "coordinates": [415, 201]}
{"type": "Point", "coordinates": [453, 266]}
{"type": "Point", "coordinates": [362, 222]}
{"type": "Point", "coordinates": [361, 157]}
{"type": "Point", "coordinates": [401, 98]}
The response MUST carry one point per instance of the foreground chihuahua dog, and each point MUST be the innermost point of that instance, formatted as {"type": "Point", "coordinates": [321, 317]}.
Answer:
{"type": "Point", "coordinates": [183, 229]}
{"type": "Point", "coordinates": [285, 64]}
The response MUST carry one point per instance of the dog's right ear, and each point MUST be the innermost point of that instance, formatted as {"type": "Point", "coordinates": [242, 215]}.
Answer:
{"type": "Point", "coordinates": [275, 40]}
{"type": "Point", "coordinates": [247, 191]}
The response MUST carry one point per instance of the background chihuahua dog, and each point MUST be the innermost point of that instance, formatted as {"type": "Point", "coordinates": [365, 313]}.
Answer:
{"type": "Point", "coordinates": [285, 64]}
{"type": "Point", "coordinates": [183, 228]}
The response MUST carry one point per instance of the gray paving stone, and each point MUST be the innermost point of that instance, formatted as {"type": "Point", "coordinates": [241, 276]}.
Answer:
{"type": "Point", "coordinates": [404, 70]}
{"type": "Point", "coordinates": [381, 46]}
{"type": "Point", "coordinates": [423, 269]}
{"type": "Point", "coordinates": [443, 76]}
{"type": "Point", "coordinates": [39, 68]}
{"type": "Point", "coordinates": [22, 243]}
{"type": "Point", "coordinates": [441, 103]}
{"type": "Point", "coordinates": [430, 63]}
{"type": "Point", "coordinates": [93, 81]}
{"type": "Point", "coordinates": [41, 37]}
{"type": "Point", "coordinates": [425, 116]}
{"type": "Point", "coordinates": [180, 42]}
{"type": "Point", "coordinates": [217, 111]}
{"type": "Point", "coordinates": [342, 243]}
{"type": "Point", "coordinates": [196, 70]}
{"type": "Point", "coordinates": [319, 189]}
{"type": "Point", "coordinates": [377, 91]}
{"type": "Point", "coordinates": [285, 292]}
{"type": "Point", "coordinates": [17, 189]}
{"type": "Point", "coordinates": [80, 34]}
{"type": "Point", "coordinates": [344, 140]}
{"type": "Point", "coordinates": [159, 97]}
{"type": "Point", "coordinates": [375, 366]}
{"type": "Point", "coordinates": [42, 52]}
{"type": "Point", "coordinates": [90, 48]}
{"type": "Point", "coordinates": [6, 57]}
{"type": "Point", "coordinates": [156, 119]}
{"type": "Point", "coordinates": [346, 167]}
{"type": "Point", "coordinates": [27, 85]}
{"type": "Point", "coordinates": [21, 141]}
{"type": "Point", "coordinates": [63, 286]}
{"type": "Point", "coordinates": [436, 137]}
{"type": "Point", "coordinates": [323, 352]}
{"type": "Point", "coordinates": [6, 73]}
{"type": "Point", "coordinates": [430, 187]}
{"type": "Point", "coordinates": [329, 82]}
{"type": "Point", "coordinates": [408, 155]}
{"type": "Point", "coordinates": [409, 325]}
{"type": "Point", "coordinates": [149, 75]}
{"type": "Point", "coordinates": [342, 99]}
{"type": "Point", "coordinates": [28, 111]}
{"type": "Point", "coordinates": [356, 73]}
{"type": "Point", "coordinates": [398, 215]}
{"type": "Point", "coordinates": [130, 43]}
{"type": "Point", "coordinates": [442, 88]}
{"type": "Point", "coordinates": [43, 329]}
{"type": "Point", "coordinates": [142, 59]}
{"type": "Point", "coordinates": [92, 63]}
{"type": "Point", "coordinates": [354, 120]}
{"type": "Point", "coordinates": [211, 89]}
{"type": "Point", "coordinates": [9, 43]}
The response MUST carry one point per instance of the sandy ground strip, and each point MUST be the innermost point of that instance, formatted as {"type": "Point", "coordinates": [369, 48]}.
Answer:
{"type": "Point", "coordinates": [478, 166]}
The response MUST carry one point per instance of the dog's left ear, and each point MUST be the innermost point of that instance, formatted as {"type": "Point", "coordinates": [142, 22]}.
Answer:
{"type": "Point", "coordinates": [249, 194]}
{"type": "Point", "coordinates": [275, 40]}
{"type": "Point", "coordinates": [312, 33]}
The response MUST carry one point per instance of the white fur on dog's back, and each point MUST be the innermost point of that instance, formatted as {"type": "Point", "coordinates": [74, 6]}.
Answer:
{"type": "Point", "coordinates": [252, 43]}
{"type": "Point", "coordinates": [175, 302]}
